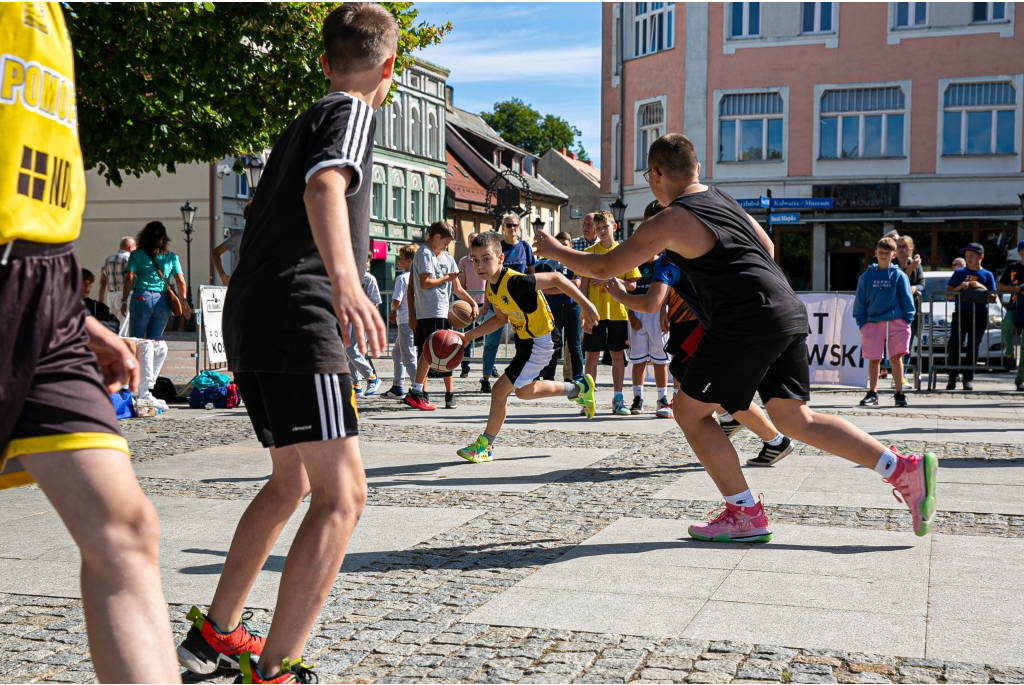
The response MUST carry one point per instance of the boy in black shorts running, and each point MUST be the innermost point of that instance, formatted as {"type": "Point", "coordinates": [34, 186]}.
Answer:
{"type": "Point", "coordinates": [755, 342]}
{"type": "Point", "coordinates": [302, 258]}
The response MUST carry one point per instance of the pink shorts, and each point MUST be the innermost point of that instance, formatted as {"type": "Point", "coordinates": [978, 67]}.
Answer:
{"type": "Point", "coordinates": [873, 336]}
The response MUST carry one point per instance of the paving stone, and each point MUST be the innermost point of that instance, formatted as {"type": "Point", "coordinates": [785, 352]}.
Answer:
{"type": "Point", "coordinates": [715, 666]}
{"type": "Point", "coordinates": [957, 672]}
{"type": "Point", "coordinates": [759, 673]}
{"type": "Point", "coordinates": [1007, 674]}
{"type": "Point", "coordinates": [870, 677]}
{"type": "Point", "coordinates": [664, 674]}
{"type": "Point", "coordinates": [912, 674]}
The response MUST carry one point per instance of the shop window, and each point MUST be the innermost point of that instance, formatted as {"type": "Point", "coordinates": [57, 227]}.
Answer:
{"type": "Point", "coordinates": [750, 127]}
{"type": "Point", "coordinates": [862, 122]}
{"type": "Point", "coordinates": [979, 119]}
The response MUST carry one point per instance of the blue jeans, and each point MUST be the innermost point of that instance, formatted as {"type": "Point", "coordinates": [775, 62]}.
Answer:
{"type": "Point", "coordinates": [491, 342]}
{"type": "Point", "coordinates": [567, 320]}
{"type": "Point", "coordinates": [148, 312]}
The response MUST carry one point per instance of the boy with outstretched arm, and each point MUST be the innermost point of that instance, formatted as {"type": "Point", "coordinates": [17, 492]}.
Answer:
{"type": "Point", "coordinates": [517, 299]}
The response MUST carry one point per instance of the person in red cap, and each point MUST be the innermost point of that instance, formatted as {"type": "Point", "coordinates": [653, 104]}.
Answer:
{"type": "Point", "coordinates": [971, 317]}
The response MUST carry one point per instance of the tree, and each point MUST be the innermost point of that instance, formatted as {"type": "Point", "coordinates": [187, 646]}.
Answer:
{"type": "Point", "coordinates": [525, 127]}
{"type": "Point", "coordinates": [161, 84]}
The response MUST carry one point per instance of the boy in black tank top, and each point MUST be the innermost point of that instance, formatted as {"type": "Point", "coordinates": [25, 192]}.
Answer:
{"type": "Point", "coordinates": [755, 342]}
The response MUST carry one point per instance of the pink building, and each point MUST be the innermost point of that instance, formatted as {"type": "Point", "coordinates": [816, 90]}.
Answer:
{"type": "Point", "coordinates": [908, 115]}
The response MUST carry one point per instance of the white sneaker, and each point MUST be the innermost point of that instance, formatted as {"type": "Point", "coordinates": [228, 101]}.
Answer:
{"type": "Point", "coordinates": [160, 404]}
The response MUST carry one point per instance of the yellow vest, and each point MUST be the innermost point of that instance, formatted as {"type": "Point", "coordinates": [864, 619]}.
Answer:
{"type": "Point", "coordinates": [42, 180]}
{"type": "Point", "coordinates": [529, 319]}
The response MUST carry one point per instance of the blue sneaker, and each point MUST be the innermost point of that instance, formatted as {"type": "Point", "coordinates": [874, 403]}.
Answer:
{"type": "Point", "coordinates": [371, 386]}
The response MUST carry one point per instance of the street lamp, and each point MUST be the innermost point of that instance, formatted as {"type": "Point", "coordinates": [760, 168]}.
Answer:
{"type": "Point", "coordinates": [618, 211]}
{"type": "Point", "coordinates": [188, 215]}
{"type": "Point", "coordinates": [538, 224]}
{"type": "Point", "coordinates": [253, 171]}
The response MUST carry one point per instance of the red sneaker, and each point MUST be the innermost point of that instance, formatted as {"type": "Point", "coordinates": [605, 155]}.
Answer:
{"type": "Point", "coordinates": [206, 649]}
{"type": "Point", "coordinates": [419, 400]}
{"type": "Point", "coordinates": [292, 671]}
{"type": "Point", "coordinates": [733, 524]}
{"type": "Point", "coordinates": [913, 483]}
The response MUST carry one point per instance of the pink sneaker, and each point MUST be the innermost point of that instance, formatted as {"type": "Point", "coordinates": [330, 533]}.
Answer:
{"type": "Point", "coordinates": [733, 524]}
{"type": "Point", "coordinates": [913, 483]}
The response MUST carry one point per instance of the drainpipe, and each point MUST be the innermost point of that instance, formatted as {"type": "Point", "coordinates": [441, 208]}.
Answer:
{"type": "Point", "coordinates": [622, 87]}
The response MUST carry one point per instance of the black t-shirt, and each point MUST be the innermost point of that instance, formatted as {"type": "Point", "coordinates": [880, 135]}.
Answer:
{"type": "Point", "coordinates": [742, 290]}
{"type": "Point", "coordinates": [101, 313]}
{"type": "Point", "coordinates": [551, 266]}
{"type": "Point", "coordinates": [1013, 275]}
{"type": "Point", "coordinates": [278, 315]}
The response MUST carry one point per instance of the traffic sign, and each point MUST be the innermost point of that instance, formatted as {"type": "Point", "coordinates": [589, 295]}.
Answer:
{"type": "Point", "coordinates": [786, 218]}
{"type": "Point", "coordinates": [766, 202]}
{"type": "Point", "coordinates": [786, 203]}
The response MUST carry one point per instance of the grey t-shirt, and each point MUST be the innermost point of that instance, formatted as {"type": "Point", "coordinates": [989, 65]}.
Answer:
{"type": "Point", "coordinates": [432, 303]}
{"type": "Point", "coordinates": [231, 244]}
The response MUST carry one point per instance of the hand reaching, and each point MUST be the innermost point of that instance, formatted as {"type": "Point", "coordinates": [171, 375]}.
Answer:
{"type": "Point", "coordinates": [113, 356]}
{"type": "Point", "coordinates": [353, 307]}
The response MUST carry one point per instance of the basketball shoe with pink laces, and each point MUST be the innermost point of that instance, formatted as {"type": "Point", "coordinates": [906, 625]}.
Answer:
{"type": "Point", "coordinates": [913, 483]}
{"type": "Point", "coordinates": [733, 523]}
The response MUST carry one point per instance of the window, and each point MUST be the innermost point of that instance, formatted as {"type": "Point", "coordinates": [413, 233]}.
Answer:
{"type": "Point", "coordinates": [746, 19]}
{"type": "Point", "coordinates": [432, 208]}
{"type": "Point", "coordinates": [414, 81]}
{"type": "Point", "coordinates": [979, 119]}
{"type": "Point", "coordinates": [911, 14]}
{"type": "Point", "coordinates": [243, 186]}
{"type": "Point", "coordinates": [816, 17]}
{"type": "Point", "coordinates": [397, 139]}
{"type": "Point", "coordinates": [517, 163]}
{"type": "Point", "coordinates": [397, 200]}
{"type": "Point", "coordinates": [650, 126]}
{"type": "Point", "coordinates": [377, 196]}
{"type": "Point", "coordinates": [989, 11]}
{"type": "Point", "coordinates": [414, 125]}
{"type": "Point", "coordinates": [862, 122]}
{"type": "Point", "coordinates": [652, 27]}
{"type": "Point", "coordinates": [432, 135]}
{"type": "Point", "coordinates": [378, 127]}
{"type": "Point", "coordinates": [750, 127]}
{"type": "Point", "coordinates": [416, 206]}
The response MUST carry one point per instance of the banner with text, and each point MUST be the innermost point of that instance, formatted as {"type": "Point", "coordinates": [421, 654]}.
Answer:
{"type": "Point", "coordinates": [211, 305]}
{"type": "Point", "coordinates": [833, 342]}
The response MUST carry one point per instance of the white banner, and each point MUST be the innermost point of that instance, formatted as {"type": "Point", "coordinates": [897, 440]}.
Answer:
{"type": "Point", "coordinates": [211, 306]}
{"type": "Point", "coordinates": [833, 342]}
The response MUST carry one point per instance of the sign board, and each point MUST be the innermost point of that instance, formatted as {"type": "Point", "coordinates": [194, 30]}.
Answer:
{"type": "Point", "coordinates": [211, 307]}
{"type": "Point", "coordinates": [786, 218]}
{"type": "Point", "coordinates": [787, 203]}
{"type": "Point", "coordinates": [378, 249]}
{"type": "Point", "coordinates": [766, 202]}
{"type": "Point", "coordinates": [833, 341]}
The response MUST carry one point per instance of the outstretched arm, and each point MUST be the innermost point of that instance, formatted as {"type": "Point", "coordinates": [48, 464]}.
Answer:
{"type": "Point", "coordinates": [650, 302]}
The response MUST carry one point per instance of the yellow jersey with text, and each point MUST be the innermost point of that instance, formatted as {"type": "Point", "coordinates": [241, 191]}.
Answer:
{"type": "Point", "coordinates": [517, 297]}
{"type": "Point", "coordinates": [607, 308]}
{"type": "Point", "coordinates": [42, 180]}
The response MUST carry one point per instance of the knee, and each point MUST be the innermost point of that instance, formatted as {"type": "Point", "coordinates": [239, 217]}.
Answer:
{"type": "Point", "coordinates": [132, 531]}
{"type": "Point", "coordinates": [343, 506]}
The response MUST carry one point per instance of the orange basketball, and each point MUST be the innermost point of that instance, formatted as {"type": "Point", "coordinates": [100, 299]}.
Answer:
{"type": "Point", "coordinates": [444, 349]}
{"type": "Point", "coordinates": [460, 314]}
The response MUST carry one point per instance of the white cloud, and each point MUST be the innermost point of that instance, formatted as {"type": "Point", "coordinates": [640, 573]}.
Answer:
{"type": "Point", "coordinates": [482, 62]}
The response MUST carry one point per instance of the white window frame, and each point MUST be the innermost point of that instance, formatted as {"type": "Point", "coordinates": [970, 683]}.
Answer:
{"type": "Point", "coordinates": [989, 13]}
{"type": "Point", "coordinates": [911, 16]}
{"type": "Point", "coordinates": [242, 180]}
{"type": "Point", "coordinates": [415, 131]}
{"type": "Point", "coordinates": [379, 180]}
{"type": "Point", "coordinates": [644, 36]}
{"type": "Point", "coordinates": [980, 165]}
{"type": "Point", "coordinates": [432, 135]}
{"type": "Point", "coordinates": [861, 166]}
{"type": "Point", "coordinates": [397, 124]}
{"type": "Point", "coordinates": [772, 168]}
{"type": "Point", "coordinates": [817, 30]}
{"type": "Point", "coordinates": [745, 23]}
{"type": "Point", "coordinates": [1004, 28]}
{"type": "Point", "coordinates": [763, 118]}
{"type": "Point", "coordinates": [396, 204]}
{"type": "Point", "coordinates": [964, 110]}
{"type": "Point", "coordinates": [859, 115]}
{"type": "Point", "coordinates": [640, 157]}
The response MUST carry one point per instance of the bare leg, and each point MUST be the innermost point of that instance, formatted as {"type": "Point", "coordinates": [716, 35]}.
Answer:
{"type": "Point", "coordinates": [590, 364]}
{"type": "Point", "coordinates": [447, 383]}
{"type": "Point", "coordinates": [256, 533]}
{"type": "Point", "coordinates": [897, 371]}
{"type": "Point", "coordinates": [618, 370]}
{"type": "Point", "coordinates": [874, 366]}
{"type": "Point", "coordinates": [709, 443]}
{"type": "Point", "coordinates": [638, 373]}
{"type": "Point", "coordinates": [422, 368]}
{"type": "Point", "coordinates": [829, 433]}
{"type": "Point", "coordinates": [500, 391]}
{"type": "Point", "coordinates": [756, 422]}
{"type": "Point", "coordinates": [118, 534]}
{"type": "Point", "coordinates": [338, 489]}
{"type": "Point", "coordinates": [661, 375]}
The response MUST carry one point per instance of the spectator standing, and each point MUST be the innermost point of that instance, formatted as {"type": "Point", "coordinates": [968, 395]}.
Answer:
{"type": "Point", "coordinates": [94, 308]}
{"type": "Point", "coordinates": [403, 352]}
{"type": "Point", "coordinates": [231, 244]}
{"type": "Point", "coordinates": [1011, 281]}
{"type": "Point", "coordinates": [359, 364]}
{"type": "Point", "coordinates": [148, 274]}
{"type": "Point", "coordinates": [112, 277]}
{"type": "Point", "coordinates": [884, 311]}
{"type": "Point", "coordinates": [589, 236]}
{"type": "Point", "coordinates": [566, 316]}
{"type": "Point", "coordinates": [958, 263]}
{"type": "Point", "coordinates": [474, 285]}
{"type": "Point", "coordinates": [910, 262]}
{"type": "Point", "coordinates": [971, 316]}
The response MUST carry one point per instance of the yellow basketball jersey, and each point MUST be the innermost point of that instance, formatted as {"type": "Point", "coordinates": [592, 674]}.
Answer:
{"type": "Point", "coordinates": [42, 180]}
{"type": "Point", "coordinates": [528, 313]}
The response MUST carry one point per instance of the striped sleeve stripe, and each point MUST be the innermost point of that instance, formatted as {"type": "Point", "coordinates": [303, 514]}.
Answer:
{"type": "Point", "coordinates": [317, 381]}
{"type": "Point", "coordinates": [353, 143]}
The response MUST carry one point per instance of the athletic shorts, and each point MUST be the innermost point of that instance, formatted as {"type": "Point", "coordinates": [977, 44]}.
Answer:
{"type": "Point", "coordinates": [728, 372]}
{"type": "Point", "coordinates": [686, 334]}
{"type": "Point", "coordinates": [424, 327]}
{"type": "Point", "coordinates": [532, 356]}
{"type": "Point", "coordinates": [874, 334]}
{"type": "Point", "coordinates": [607, 335]}
{"type": "Point", "coordinates": [289, 408]}
{"type": "Point", "coordinates": [648, 343]}
{"type": "Point", "coordinates": [51, 389]}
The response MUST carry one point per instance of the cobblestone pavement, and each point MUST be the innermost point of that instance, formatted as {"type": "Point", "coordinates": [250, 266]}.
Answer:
{"type": "Point", "coordinates": [401, 618]}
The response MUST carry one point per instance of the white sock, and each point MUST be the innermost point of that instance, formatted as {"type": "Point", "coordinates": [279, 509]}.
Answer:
{"type": "Point", "coordinates": [417, 387]}
{"type": "Point", "coordinates": [744, 499]}
{"type": "Point", "coordinates": [776, 441]}
{"type": "Point", "coordinates": [638, 391]}
{"type": "Point", "coordinates": [725, 417]}
{"type": "Point", "coordinates": [662, 392]}
{"type": "Point", "coordinates": [886, 465]}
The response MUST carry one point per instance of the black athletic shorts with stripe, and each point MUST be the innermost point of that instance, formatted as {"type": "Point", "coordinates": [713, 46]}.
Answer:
{"type": "Point", "coordinates": [287, 408]}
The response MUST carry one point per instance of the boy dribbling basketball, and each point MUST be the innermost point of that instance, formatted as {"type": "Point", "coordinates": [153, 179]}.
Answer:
{"type": "Point", "coordinates": [517, 299]}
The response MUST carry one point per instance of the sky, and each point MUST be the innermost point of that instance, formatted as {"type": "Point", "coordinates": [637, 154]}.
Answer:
{"type": "Point", "coordinates": [547, 54]}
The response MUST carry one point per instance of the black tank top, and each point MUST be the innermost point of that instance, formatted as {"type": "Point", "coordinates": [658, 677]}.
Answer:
{"type": "Point", "coordinates": [742, 290]}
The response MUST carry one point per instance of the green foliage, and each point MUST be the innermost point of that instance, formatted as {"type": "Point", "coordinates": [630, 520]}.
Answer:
{"type": "Point", "coordinates": [581, 154]}
{"type": "Point", "coordinates": [161, 84]}
{"type": "Point", "coordinates": [525, 127]}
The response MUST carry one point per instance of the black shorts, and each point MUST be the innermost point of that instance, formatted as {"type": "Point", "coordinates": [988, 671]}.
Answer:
{"type": "Point", "coordinates": [729, 372]}
{"type": "Point", "coordinates": [51, 389]}
{"type": "Point", "coordinates": [424, 327]}
{"type": "Point", "coordinates": [287, 408]}
{"type": "Point", "coordinates": [607, 335]}
{"type": "Point", "coordinates": [677, 335]}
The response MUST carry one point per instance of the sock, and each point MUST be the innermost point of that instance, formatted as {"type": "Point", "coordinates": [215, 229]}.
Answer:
{"type": "Point", "coordinates": [490, 438]}
{"type": "Point", "coordinates": [617, 397]}
{"type": "Point", "coordinates": [662, 392]}
{"type": "Point", "coordinates": [744, 499]}
{"type": "Point", "coordinates": [417, 387]}
{"type": "Point", "coordinates": [886, 465]}
{"type": "Point", "coordinates": [776, 441]}
{"type": "Point", "coordinates": [638, 391]}
{"type": "Point", "coordinates": [572, 390]}
{"type": "Point", "coordinates": [726, 417]}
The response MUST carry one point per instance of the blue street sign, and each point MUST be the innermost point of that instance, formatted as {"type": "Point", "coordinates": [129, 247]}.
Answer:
{"type": "Point", "coordinates": [787, 203]}
{"type": "Point", "coordinates": [765, 202]}
{"type": "Point", "coordinates": [787, 218]}
{"type": "Point", "coordinates": [750, 203]}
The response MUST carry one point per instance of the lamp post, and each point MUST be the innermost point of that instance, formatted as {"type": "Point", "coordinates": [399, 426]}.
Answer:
{"type": "Point", "coordinates": [618, 211]}
{"type": "Point", "coordinates": [538, 224]}
{"type": "Point", "coordinates": [253, 171]}
{"type": "Point", "coordinates": [188, 215]}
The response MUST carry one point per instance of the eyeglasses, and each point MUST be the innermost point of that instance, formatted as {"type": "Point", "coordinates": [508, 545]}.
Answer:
{"type": "Point", "coordinates": [902, 247]}
{"type": "Point", "coordinates": [647, 175]}
{"type": "Point", "coordinates": [511, 225]}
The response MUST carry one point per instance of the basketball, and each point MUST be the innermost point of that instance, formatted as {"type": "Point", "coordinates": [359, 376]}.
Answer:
{"type": "Point", "coordinates": [460, 314]}
{"type": "Point", "coordinates": [444, 349]}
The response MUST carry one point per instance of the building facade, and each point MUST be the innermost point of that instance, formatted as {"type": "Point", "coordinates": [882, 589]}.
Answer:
{"type": "Point", "coordinates": [908, 116]}
{"type": "Point", "coordinates": [577, 179]}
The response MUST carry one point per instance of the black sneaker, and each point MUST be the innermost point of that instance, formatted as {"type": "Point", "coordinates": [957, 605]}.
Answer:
{"type": "Point", "coordinates": [951, 383]}
{"type": "Point", "coordinates": [465, 372]}
{"type": "Point", "coordinates": [449, 401]}
{"type": "Point", "coordinates": [870, 400]}
{"type": "Point", "coordinates": [968, 385]}
{"type": "Point", "coordinates": [901, 399]}
{"type": "Point", "coordinates": [730, 427]}
{"type": "Point", "coordinates": [485, 386]}
{"type": "Point", "coordinates": [772, 454]}
{"type": "Point", "coordinates": [638, 405]}
{"type": "Point", "coordinates": [394, 393]}
{"type": "Point", "coordinates": [1020, 386]}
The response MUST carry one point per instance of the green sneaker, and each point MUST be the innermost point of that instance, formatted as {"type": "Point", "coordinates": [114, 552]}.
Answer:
{"type": "Point", "coordinates": [619, 406]}
{"type": "Point", "coordinates": [586, 397]}
{"type": "Point", "coordinates": [478, 452]}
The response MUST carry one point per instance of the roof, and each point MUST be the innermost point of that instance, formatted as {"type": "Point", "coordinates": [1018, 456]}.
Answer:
{"type": "Point", "coordinates": [459, 180]}
{"type": "Point", "coordinates": [473, 123]}
{"type": "Point", "coordinates": [587, 170]}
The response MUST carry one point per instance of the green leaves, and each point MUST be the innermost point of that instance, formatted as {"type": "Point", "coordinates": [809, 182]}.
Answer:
{"type": "Point", "coordinates": [161, 84]}
{"type": "Point", "coordinates": [525, 127]}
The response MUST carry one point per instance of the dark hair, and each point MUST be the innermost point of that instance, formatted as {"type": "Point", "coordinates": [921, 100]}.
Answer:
{"type": "Point", "coordinates": [563, 236]}
{"type": "Point", "coordinates": [152, 239]}
{"type": "Point", "coordinates": [441, 228]}
{"type": "Point", "coordinates": [487, 239]}
{"type": "Point", "coordinates": [245, 210]}
{"type": "Point", "coordinates": [651, 209]}
{"type": "Point", "coordinates": [673, 155]}
{"type": "Point", "coordinates": [88, 276]}
{"type": "Point", "coordinates": [358, 36]}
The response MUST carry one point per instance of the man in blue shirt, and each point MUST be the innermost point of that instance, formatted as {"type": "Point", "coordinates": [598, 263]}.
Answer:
{"type": "Point", "coordinates": [971, 316]}
{"type": "Point", "coordinates": [566, 314]}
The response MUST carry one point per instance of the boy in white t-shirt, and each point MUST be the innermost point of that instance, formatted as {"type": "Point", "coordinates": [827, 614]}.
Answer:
{"type": "Point", "coordinates": [403, 352]}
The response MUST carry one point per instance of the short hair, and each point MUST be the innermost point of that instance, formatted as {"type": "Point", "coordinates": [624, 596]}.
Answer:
{"type": "Point", "coordinates": [487, 239]}
{"type": "Point", "coordinates": [563, 236]}
{"type": "Point", "coordinates": [887, 244]}
{"type": "Point", "coordinates": [673, 155]}
{"type": "Point", "coordinates": [651, 209]}
{"type": "Point", "coordinates": [125, 242]}
{"type": "Point", "coordinates": [359, 36]}
{"type": "Point", "coordinates": [440, 227]}
{"type": "Point", "coordinates": [245, 210]}
{"type": "Point", "coordinates": [153, 238]}
{"type": "Point", "coordinates": [604, 217]}
{"type": "Point", "coordinates": [408, 251]}
{"type": "Point", "coordinates": [88, 276]}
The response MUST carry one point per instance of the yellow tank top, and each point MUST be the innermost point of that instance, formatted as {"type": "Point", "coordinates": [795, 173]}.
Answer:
{"type": "Point", "coordinates": [528, 313]}
{"type": "Point", "coordinates": [42, 180]}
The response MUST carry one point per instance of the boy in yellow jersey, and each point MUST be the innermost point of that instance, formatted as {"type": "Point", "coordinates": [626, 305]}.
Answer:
{"type": "Point", "coordinates": [517, 298]}
{"type": "Point", "coordinates": [57, 425]}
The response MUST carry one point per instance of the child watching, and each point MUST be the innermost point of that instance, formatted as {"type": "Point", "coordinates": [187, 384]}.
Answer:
{"type": "Point", "coordinates": [403, 352]}
{"type": "Point", "coordinates": [884, 310]}
{"type": "Point", "coordinates": [566, 314]}
{"type": "Point", "coordinates": [360, 364]}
